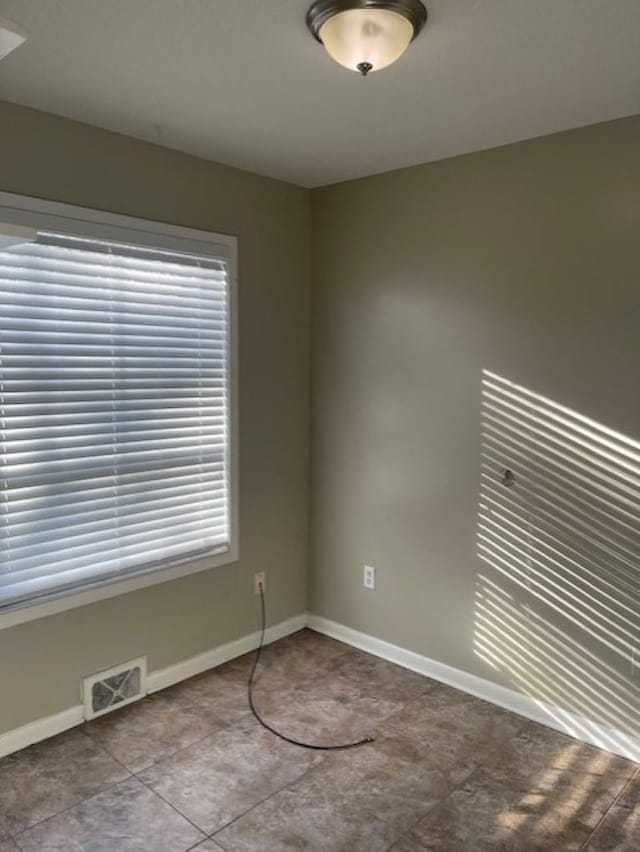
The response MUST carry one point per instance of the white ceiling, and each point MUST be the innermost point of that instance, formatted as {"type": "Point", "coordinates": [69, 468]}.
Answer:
{"type": "Point", "coordinates": [244, 83]}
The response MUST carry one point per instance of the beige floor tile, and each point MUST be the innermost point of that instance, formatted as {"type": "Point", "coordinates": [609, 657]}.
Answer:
{"type": "Point", "coordinates": [303, 656]}
{"type": "Point", "coordinates": [53, 775]}
{"type": "Point", "coordinates": [452, 728]}
{"type": "Point", "coordinates": [545, 762]}
{"type": "Point", "coordinates": [125, 818]}
{"type": "Point", "coordinates": [484, 815]}
{"type": "Point", "coordinates": [220, 692]}
{"type": "Point", "coordinates": [620, 829]}
{"type": "Point", "coordinates": [300, 659]}
{"type": "Point", "coordinates": [376, 678]}
{"type": "Point", "coordinates": [355, 801]}
{"type": "Point", "coordinates": [152, 729]}
{"type": "Point", "coordinates": [223, 776]}
{"type": "Point", "coordinates": [331, 712]}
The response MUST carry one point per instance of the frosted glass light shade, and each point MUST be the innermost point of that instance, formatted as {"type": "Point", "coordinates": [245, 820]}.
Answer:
{"type": "Point", "coordinates": [369, 37]}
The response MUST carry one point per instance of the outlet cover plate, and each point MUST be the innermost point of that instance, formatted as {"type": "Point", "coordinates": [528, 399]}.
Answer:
{"type": "Point", "coordinates": [369, 577]}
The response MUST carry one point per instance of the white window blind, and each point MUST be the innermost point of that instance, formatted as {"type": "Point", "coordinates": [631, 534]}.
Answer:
{"type": "Point", "coordinates": [114, 397]}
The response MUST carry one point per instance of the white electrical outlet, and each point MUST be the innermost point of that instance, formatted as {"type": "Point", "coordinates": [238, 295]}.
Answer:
{"type": "Point", "coordinates": [259, 582]}
{"type": "Point", "coordinates": [369, 577]}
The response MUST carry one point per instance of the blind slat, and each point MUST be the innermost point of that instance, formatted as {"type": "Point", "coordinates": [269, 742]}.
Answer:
{"type": "Point", "coordinates": [75, 538]}
{"type": "Point", "coordinates": [69, 554]}
{"type": "Point", "coordinates": [77, 577]}
{"type": "Point", "coordinates": [28, 498]}
{"type": "Point", "coordinates": [39, 520]}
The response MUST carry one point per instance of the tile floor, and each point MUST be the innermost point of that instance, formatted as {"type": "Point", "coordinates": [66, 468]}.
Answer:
{"type": "Point", "coordinates": [189, 768]}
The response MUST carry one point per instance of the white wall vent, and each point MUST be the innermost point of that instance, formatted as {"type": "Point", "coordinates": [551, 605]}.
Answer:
{"type": "Point", "coordinates": [116, 687]}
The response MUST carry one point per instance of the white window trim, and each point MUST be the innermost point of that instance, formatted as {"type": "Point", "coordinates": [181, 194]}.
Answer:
{"type": "Point", "coordinates": [79, 221]}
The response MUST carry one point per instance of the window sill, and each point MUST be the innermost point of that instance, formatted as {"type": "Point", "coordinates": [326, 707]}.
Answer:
{"type": "Point", "coordinates": [12, 617]}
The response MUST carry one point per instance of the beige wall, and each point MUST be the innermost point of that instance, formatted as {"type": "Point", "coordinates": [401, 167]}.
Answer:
{"type": "Point", "coordinates": [41, 663]}
{"type": "Point", "coordinates": [523, 260]}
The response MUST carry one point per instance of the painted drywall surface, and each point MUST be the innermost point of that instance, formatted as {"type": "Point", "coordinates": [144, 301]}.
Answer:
{"type": "Point", "coordinates": [41, 663]}
{"type": "Point", "coordinates": [524, 261]}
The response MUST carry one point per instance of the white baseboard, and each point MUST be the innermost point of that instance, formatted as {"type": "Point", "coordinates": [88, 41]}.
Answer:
{"type": "Point", "coordinates": [575, 726]}
{"type": "Point", "coordinates": [163, 678]}
{"type": "Point", "coordinates": [49, 726]}
{"type": "Point", "coordinates": [41, 729]}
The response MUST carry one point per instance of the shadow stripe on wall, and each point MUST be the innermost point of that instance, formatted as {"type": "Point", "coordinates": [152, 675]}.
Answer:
{"type": "Point", "coordinates": [557, 604]}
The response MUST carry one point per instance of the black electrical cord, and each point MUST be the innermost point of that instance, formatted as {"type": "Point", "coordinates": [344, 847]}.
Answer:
{"type": "Point", "coordinates": [265, 724]}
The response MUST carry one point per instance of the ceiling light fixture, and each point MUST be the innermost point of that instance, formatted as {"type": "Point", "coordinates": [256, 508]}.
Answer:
{"type": "Point", "coordinates": [366, 35]}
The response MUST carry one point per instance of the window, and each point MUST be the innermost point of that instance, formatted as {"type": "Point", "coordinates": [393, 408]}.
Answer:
{"type": "Point", "coordinates": [115, 401]}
